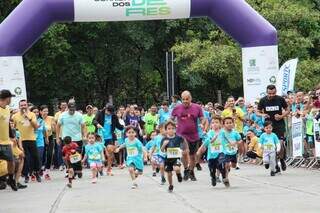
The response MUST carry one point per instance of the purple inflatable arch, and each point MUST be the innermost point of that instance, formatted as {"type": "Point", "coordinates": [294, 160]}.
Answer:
{"type": "Point", "coordinates": [24, 26]}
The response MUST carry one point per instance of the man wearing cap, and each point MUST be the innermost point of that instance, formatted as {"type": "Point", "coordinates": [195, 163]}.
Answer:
{"type": "Point", "coordinates": [107, 121]}
{"type": "Point", "coordinates": [88, 119]}
{"type": "Point", "coordinates": [5, 143]}
{"type": "Point", "coordinates": [71, 124]}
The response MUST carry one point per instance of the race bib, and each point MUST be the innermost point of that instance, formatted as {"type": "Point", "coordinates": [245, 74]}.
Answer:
{"type": "Point", "coordinates": [269, 147]}
{"type": "Point", "coordinates": [75, 158]}
{"type": "Point", "coordinates": [95, 157]}
{"type": "Point", "coordinates": [174, 153]}
{"type": "Point", "coordinates": [232, 148]}
{"type": "Point", "coordinates": [215, 148]}
{"type": "Point", "coordinates": [132, 151]}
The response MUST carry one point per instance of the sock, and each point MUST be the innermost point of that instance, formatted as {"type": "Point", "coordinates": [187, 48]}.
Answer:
{"type": "Point", "coordinates": [70, 180]}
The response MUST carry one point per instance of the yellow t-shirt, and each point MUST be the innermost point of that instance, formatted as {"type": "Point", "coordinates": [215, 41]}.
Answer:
{"type": "Point", "coordinates": [24, 126]}
{"type": "Point", "coordinates": [4, 126]}
{"type": "Point", "coordinates": [238, 122]}
{"type": "Point", "coordinates": [254, 146]}
{"type": "Point", "coordinates": [49, 123]}
{"type": "Point", "coordinates": [57, 116]}
{"type": "Point", "coordinates": [3, 168]}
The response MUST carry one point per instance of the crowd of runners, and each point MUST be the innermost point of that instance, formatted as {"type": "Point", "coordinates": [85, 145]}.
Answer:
{"type": "Point", "coordinates": [178, 137]}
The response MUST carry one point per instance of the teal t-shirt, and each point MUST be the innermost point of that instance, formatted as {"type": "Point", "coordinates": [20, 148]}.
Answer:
{"type": "Point", "coordinates": [94, 152]}
{"type": "Point", "coordinates": [134, 153]}
{"type": "Point", "coordinates": [215, 148]}
{"type": "Point", "coordinates": [157, 144]}
{"type": "Point", "coordinates": [120, 136]}
{"type": "Point", "coordinates": [71, 125]}
{"type": "Point", "coordinates": [269, 142]}
{"type": "Point", "coordinates": [226, 138]}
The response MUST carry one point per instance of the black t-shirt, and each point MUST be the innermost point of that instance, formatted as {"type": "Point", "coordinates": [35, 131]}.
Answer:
{"type": "Point", "coordinates": [175, 142]}
{"type": "Point", "coordinates": [272, 107]}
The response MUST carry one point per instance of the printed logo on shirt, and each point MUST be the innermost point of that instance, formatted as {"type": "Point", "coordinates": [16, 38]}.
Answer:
{"type": "Point", "coordinates": [132, 151]}
{"type": "Point", "coordinates": [272, 108]}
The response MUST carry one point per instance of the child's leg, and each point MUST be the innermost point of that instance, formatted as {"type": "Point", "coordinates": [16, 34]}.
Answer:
{"type": "Point", "coordinates": [272, 160]}
{"type": "Point", "coordinates": [132, 173]}
{"type": "Point", "coordinates": [162, 169]}
{"type": "Point", "coordinates": [169, 175]}
{"type": "Point", "coordinates": [19, 169]}
{"type": "Point", "coordinates": [266, 160]}
{"type": "Point", "coordinates": [70, 174]}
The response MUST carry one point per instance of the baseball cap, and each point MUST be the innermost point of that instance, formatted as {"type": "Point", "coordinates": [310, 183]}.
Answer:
{"type": "Point", "coordinates": [72, 106]}
{"type": "Point", "coordinates": [6, 94]}
{"type": "Point", "coordinates": [89, 107]}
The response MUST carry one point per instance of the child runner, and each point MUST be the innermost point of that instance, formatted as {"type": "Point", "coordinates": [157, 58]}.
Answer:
{"type": "Point", "coordinates": [103, 147]}
{"type": "Point", "coordinates": [270, 145]}
{"type": "Point", "coordinates": [215, 155]}
{"type": "Point", "coordinates": [149, 146]}
{"type": "Point", "coordinates": [230, 140]}
{"type": "Point", "coordinates": [157, 156]}
{"type": "Point", "coordinates": [72, 159]}
{"type": "Point", "coordinates": [173, 146]}
{"type": "Point", "coordinates": [93, 153]}
{"type": "Point", "coordinates": [135, 154]}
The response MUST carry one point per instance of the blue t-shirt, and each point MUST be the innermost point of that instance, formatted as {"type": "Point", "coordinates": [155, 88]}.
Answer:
{"type": "Point", "coordinates": [120, 136]}
{"type": "Point", "coordinates": [94, 152]}
{"type": "Point", "coordinates": [226, 138]}
{"type": "Point", "coordinates": [215, 148]}
{"type": "Point", "coordinates": [40, 132]}
{"type": "Point", "coordinates": [157, 144]}
{"type": "Point", "coordinates": [163, 116]}
{"type": "Point", "coordinates": [269, 142]}
{"type": "Point", "coordinates": [71, 125]}
{"type": "Point", "coordinates": [107, 134]}
{"type": "Point", "coordinates": [134, 153]}
{"type": "Point", "coordinates": [149, 145]}
{"type": "Point", "coordinates": [258, 119]}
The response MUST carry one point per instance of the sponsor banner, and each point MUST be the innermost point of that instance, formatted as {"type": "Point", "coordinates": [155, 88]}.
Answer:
{"type": "Point", "coordinates": [297, 137]}
{"type": "Point", "coordinates": [12, 78]}
{"type": "Point", "coordinates": [260, 68]}
{"type": "Point", "coordinates": [316, 130]}
{"type": "Point", "coordinates": [286, 77]}
{"type": "Point", "coordinates": [130, 10]}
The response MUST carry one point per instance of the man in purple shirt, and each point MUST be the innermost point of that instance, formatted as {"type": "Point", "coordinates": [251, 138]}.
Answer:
{"type": "Point", "coordinates": [187, 115]}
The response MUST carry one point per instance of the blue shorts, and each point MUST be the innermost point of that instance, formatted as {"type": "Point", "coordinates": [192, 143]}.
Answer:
{"type": "Point", "coordinates": [158, 159]}
{"type": "Point", "coordinates": [134, 166]}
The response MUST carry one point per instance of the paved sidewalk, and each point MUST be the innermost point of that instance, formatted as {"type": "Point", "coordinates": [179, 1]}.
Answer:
{"type": "Point", "coordinates": [252, 189]}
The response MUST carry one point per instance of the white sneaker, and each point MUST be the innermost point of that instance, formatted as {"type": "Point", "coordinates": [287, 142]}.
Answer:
{"type": "Point", "coordinates": [134, 186]}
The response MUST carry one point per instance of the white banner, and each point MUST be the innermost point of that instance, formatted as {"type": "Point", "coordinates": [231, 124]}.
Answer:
{"type": "Point", "coordinates": [316, 130]}
{"type": "Point", "coordinates": [286, 77]}
{"type": "Point", "coordinates": [129, 10]}
{"type": "Point", "coordinates": [12, 78]}
{"type": "Point", "coordinates": [297, 137]}
{"type": "Point", "coordinates": [260, 68]}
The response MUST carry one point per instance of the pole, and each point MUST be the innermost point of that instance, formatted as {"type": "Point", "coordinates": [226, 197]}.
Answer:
{"type": "Point", "coordinates": [173, 76]}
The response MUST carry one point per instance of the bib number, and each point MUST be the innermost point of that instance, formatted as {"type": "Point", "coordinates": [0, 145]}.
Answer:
{"type": "Point", "coordinates": [75, 158]}
{"type": "Point", "coordinates": [95, 157]}
{"type": "Point", "coordinates": [174, 153]}
{"type": "Point", "coordinates": [132, 152]}
{"type": "Point", "coordinates": [215, 148]}
{"type": "Point", "coordinates": [269, 147]}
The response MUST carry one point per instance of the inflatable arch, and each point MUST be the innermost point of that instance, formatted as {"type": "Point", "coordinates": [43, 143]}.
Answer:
{"type": "Point", "coordinates": [257, 37]}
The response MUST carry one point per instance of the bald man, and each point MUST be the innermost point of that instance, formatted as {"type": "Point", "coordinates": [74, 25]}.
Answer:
{"type": "Point", "coordinates": [187, 115]}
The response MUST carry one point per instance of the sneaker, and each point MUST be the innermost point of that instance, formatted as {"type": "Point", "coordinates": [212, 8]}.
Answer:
{"type": "Point", "coordinates": [163, 180]}
{"type": "Point", "coordinates": [20, 186]}
{"type": "Point", "coordinates": [157, 170]}
{"type": "Point", "coordinates": [69, 185]}
{"type": "Point", "coordinates": [214, 181]}
{"type": "Point", "coordinates": [94, 180]}
{"type": "Point", "coordinates": [38, 178]}
{"type": "Point", "coordinates": [283, 165]}
{"type": "Point", "coordinates": [170, 189]}
{"type": "Point", "coordinates": [154, 174]}
{"type": "Point", "coordinates": [266, 166]}
{"type": "Point", "coordinates": [61, 168]}
{"type": "Point", "coordinates": [134, 186]}
{"type": "Point", "coordinates": [278, 169]}
{"type": "Point", "coordinates": [186, 174]}
{"type": "Point", "coordinates": [33, 178]}
{"type": "Point", "coordinates": [237, 168]}
{"type": "Point", "coordinates": [26, 179]}
{"type": "Point", "coordinates": [199, 168]}
{"type": "Point", "coordinates": [80, 175]}
{"type": "Point", "coordinates": [272, 173]}
{"type": "Point", "coordinates": [101, 173]}
{"type": "Point", "coordinates": [3, 185]}
{"type": "Point", "coordinates": [179, 176]}
{"type": "Point", "coordinates": [218, 180]}
{"type": "Point", "coordinates": [122, 166]}
{"type": "Point", "coordinates": [226, 182]}
{"type": "Point", "coordinates": [12, 184]}
{"type": "Point", "coordinates": [192, 176]}
{"type": "Point", "coordinates": [109, 172]}
{"type": "Point", "coordinates": [47, 177]}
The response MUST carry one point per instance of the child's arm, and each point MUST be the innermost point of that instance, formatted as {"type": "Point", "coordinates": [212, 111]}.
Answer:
{"type": "Point", "coordinates": [164, 145]}
{"type": "Point", "coordinates": [119, 148]}
{"type": "Point", "coordinates": [200, 151]}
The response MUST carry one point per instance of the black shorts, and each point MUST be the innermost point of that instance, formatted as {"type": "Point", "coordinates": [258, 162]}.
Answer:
{"type": "Point", "coordinates": [231, 158]}
{"type": "Point", "coordinates": [109, 142]}
{"type": "Point", "coordinates": [193, 147]}
{"type": "Point", "coordinates": [215, 162]}
{"type": "Point", "coordinates": [74, 166]}
{"type": "Point", "coordinates": [6, 152]}
{"type": "Point", "coordinates": [170, 163]}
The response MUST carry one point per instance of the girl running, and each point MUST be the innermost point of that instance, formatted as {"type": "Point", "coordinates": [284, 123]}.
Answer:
{"type": "Point", "coordinates": [135, 155]}
{"type": "Point", "coordinates": [93, 153]}
{"type": "Point", "coordinates": [173, 146]}
{"type": "Point", "coordinates": [215, 155]}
